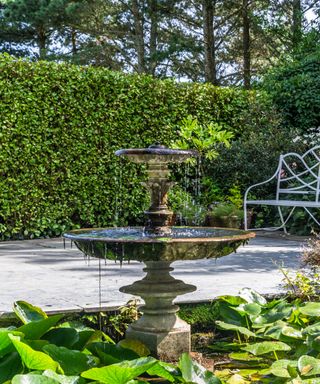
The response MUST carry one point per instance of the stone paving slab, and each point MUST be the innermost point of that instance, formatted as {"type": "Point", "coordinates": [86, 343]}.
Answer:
{"type": "Point", "coordinates": [45, 274]}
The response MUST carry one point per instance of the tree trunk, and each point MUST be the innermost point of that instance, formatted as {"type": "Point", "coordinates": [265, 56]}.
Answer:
{"type": "Point", "coordinates": [296, 23]}
{"type": "Point", "coordinates": [74, 41]}
{"type": "Point", "coordinates": [153, 6]}
{"type": "Point", "coordinates": [42, 43]}
{"type": "Point", "coordinates": [210, 71]}
{"type": "Point", "coordinates": [246, 45]}
{"type": "Point", "coordinates": [138, 36]}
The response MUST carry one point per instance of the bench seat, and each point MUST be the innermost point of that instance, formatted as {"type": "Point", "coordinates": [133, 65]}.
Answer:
{"type": "Point", "coordinates": [285, 203]}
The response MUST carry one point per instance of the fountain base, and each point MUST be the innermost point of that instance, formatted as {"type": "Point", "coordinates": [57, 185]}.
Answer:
{"type": "Point", "coordinates": [166, 346]}
{"type": "Point", "coordinates": [160, 329]}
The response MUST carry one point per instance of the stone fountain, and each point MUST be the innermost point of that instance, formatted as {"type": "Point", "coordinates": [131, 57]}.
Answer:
{"type": "Point", "coordinates": [158, 245]}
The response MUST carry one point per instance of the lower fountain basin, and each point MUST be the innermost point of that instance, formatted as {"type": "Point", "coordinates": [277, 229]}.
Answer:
{"type": "Point", "coordinates": [132, 243]}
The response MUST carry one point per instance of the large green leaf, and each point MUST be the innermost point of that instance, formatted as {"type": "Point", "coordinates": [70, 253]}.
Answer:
{"type": "Point", "coordinates": [309, 365]}
{"type": "Point", "coordinates": [192, 372]}
{"type": "Point", "coordinates": [6, 345]}
{"type": "Point", "coordinates": [236, 328]}
{"type": "Point", "coordinates": [62, 337]}
{"type": "Point", "coordinates": [251, 296]}
{"type": "Point", "coordinates": [251, 309]}
{"type": "Point", "coordinates": [83, 338]}
{"type": "Point", "coordinates": [33, 379]}
{"type": "Point", "coordinates": [62, 379]}
{"type": "Point", "coordinates": [28, 312]}
{"type": "Point", "coordinates": [136, 346]}
{"type": "Point", "coordinates": [36, 329]}
{"type": "Point", "coordinates": [313, 329]}
{"type": "Point", "coordinates": [245, 356]}
{"type": "Point", "coordinates": [222, 346]}
{"type": "Point", "coordinates": [310, 309]}
{"type": "Point", "coordinates": [165, 370]}
{"type": "Point", "coordinates": [275, 331]}
{"type": "Point", "coordinates": [34, 359]}
{"type": "Point", "coordinates": [280, 367]}
{"type": "Point", "coordinates": [10, 365]}
{"type": "Point", "coordinates": [289, 331]}
{"type": "Point", "coordinates": [264, 347]}
{"type": "Point", "coordinates": [281, 311]}
{"type": "Point", "coordinates": [120, 373]}
{"type": "Point", "coordinates": [230, 315]}
{"type": "Point", "coordinates": [233, 300]}
{"type": "Point", "coordinates": [98, 336]}
{"type": "Point", "coordinates": [111, 353]}
{"type": "Point", "coordinates": [37, 345]}
{"type": "Point", "coordinates": [72, 362]}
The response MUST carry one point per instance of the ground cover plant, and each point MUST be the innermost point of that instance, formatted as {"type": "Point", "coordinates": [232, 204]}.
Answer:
{"type": "Point", "coordinates": [48, 350]}
{"type": "Point", "coordinates": [252, 340]}
{"type": "Point", "coordinates": [271, 342]}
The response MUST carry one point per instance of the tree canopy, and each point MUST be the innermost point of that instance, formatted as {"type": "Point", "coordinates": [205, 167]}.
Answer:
{"type": "Point", "coordinates": [225, 42]}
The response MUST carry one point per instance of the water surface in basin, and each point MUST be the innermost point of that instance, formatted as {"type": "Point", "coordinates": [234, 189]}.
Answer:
{"type": "Point", "coordinates": [133, 243]}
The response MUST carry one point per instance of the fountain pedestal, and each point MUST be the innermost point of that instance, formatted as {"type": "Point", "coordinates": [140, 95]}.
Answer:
{"type": "Point", "coordinates": [160, 329]}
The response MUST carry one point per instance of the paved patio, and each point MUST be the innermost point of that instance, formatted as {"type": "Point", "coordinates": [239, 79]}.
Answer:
{"type": "Point", "coordinates": [43, 273]}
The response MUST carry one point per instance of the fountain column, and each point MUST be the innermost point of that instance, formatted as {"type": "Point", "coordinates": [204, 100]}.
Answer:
{"type": "Point", "coordinates": [164, 333]}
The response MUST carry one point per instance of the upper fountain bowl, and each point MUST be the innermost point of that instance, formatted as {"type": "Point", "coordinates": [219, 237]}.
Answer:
{"type": "Point", "coordinates": [156, 154]}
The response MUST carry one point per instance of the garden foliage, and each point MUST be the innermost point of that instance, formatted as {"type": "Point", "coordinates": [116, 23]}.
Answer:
{"type": "Point", "coordinates": [46, 350]}
{"type": "Point", "coordinates": [60, 126]}
{"type": "Point", "coordinates": [294, 88]}
{"type": "Point", "coordinates": [272, 342]}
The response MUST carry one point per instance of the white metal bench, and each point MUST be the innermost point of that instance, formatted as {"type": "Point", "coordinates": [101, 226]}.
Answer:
{"type": "Point", "coordinates": [297, 184]}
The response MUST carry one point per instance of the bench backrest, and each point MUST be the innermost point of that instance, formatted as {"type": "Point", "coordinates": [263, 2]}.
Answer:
{"type": "Point", "coordinates": [299, 176]}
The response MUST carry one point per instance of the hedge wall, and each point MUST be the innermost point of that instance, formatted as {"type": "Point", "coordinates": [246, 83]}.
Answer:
{"type": "Point", "coordinates": [60, 125]}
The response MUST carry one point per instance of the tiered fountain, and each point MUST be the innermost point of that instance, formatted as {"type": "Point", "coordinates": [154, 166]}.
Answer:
{"type": "Point", "coordinates": [158, 245]}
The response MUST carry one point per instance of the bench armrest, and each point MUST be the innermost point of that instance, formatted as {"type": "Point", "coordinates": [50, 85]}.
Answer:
{"type": "Point", "coordinates": [263, 182]}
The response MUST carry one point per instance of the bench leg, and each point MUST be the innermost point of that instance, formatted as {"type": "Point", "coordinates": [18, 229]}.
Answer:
{"type": "Point", "coordinates": [311, 215]}
{"type": "Point", "coordinates": [245, 217]}
{"type": "Point", "coordinates": [283, 222]}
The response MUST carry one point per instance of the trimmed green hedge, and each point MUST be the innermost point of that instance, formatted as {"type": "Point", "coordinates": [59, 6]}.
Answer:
{"type": "Point", "coordinates": [294, 88]}
{"type": "Point", "coordinates": [60, 125]}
